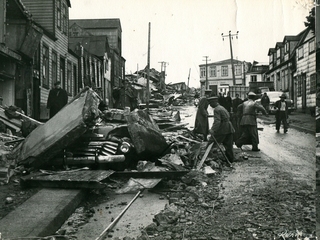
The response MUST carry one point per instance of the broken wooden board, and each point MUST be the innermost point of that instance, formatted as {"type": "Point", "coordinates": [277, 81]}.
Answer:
{"type": "Point", "coordinates": [63, 129]}
{"type": "Point", "coordinates": [151, 174]}
{"type": "Point", "coordinates": [136, 184]}
{"type": "Point", "coordinates": [67, 179]}
{"type": "Point", "coordinates": [145, 134]}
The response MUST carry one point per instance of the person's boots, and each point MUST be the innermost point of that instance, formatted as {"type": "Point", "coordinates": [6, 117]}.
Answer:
{"type": "Point", "coordinates": [255, 148]}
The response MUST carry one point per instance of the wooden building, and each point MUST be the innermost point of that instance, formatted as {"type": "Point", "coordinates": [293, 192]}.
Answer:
{"type": "Point", "coordinates": [53, 61]}
{"type": "Point", "coordinates": [19, 40]}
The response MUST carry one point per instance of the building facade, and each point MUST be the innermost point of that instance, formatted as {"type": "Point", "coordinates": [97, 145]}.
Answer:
{"type": "Point", "coordinates": [219, 75]}
{"type": "Point", "coordinates": [292, 68]}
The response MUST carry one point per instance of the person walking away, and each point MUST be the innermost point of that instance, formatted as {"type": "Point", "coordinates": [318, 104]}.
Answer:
{"type": "Point", "coordinates": [228, 102]}
{"type": "Point", "coordinates": [265, 101]}
{"type": "Point", "coordinates": [281, 113]}
{"type": "Point", "coordinates": [235, 120]}
{"type": "Point", "coordinates": [201, 125]}
{"type": "Point", "coordinates": [248, 122]}
{"type": "Point", "coordinates": [222, 129]}
{"type": "Point", "coordinates": [57, 99]}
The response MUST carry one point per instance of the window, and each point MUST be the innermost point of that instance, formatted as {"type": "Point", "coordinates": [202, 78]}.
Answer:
{"type": "Point", "coordinates": [64, 19]}
{"type": "Point", "coordinates": [287, 47]}
{"type": "Point", "coordinates": [202, 72]}
{"type": "Point", "coordinates": [54, 66]}
{"type": "Point", "coordinates": [313, 83]}
{"type": "Point", "coordinates": [253, 78]}
{"type": "Point", "coordinates": [311, 46]}
{"type": "Point", "coordinates": [300, 52]}
{"type": "Point", "coordinates": [238, 69]}
{"type": "Point", "coordinates": [59, 14]}
{"type": "Point", "coordinates": [45, 66]}
{"type": "Point", "coordinates": [213, 71]}
{"type": "Point", "coordinates": [69, 78]}
{"type": "Point", "coordinates": [271, 58]}
{"type": "Point", "coordinates": [75, 80]}
{"type": "Point", "coordinates": [62, 73]}
{"type": "Point", "coordinates": [278, 53]}
{"type": "Point", "coordinates": [224, 70]}
{"type": "Point", "coordinates": [299, 86]}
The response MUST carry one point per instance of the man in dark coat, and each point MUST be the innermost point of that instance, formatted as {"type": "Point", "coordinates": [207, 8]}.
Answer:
{"type": "Point", "coordinates": [228, 102]}
{"type": "Point", "coordinates": [235, 120]}
{"type": "Point", "coordinates": [282, 113]}
{"type": "Point", "coordinates": [222, 128]}
{"type": "Point", "coordinates": [201, 124]}
{"type": "Point", "coordinates": [57, 99]}
{"type": "Point", "coordinates": [248, 122]}
{"type": "Point", "coordinates": [265, 101]}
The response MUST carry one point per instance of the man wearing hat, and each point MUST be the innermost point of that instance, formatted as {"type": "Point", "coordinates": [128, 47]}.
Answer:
{"type": "Point", "coordinates": [222, 129]}
{"type": "Point", "coordinates": [248, 122]}
{"type": "Point", "coordinates": [201, 124]}
{"type": "Point", "coordinates": [57, 99]}
{"type": "Point", "coordinates": [281, 113]}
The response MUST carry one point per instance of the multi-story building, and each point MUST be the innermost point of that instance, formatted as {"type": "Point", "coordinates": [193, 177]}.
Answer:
{"type": "Point", "coordinates": [53, 60]}
{"type": "Point", "coordinates": [292, 68]}
{"type": "Point", "coordinates": [282, 64]}
{"type": "Point", "coordinates": [256, 73]}
{"type": "Point", "coordinates": [19, 41]}
{"type": "Point", "coordinates": [305, 78]}
{"type": "Point", "coordinates": [110, 28]}
{"type": "Point", "coordinates": [220, 75]}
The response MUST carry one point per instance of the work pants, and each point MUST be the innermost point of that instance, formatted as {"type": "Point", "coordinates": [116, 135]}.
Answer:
{"type": "Point", "coordinates": [249, 136]}
{"type": "Point", "coordinates": [281, 117]}
{"type": "Point", "coordinates": [227, 141]}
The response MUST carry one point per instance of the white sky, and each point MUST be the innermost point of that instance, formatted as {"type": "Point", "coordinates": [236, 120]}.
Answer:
{"type": "Point", "coordinates": [184, 31]}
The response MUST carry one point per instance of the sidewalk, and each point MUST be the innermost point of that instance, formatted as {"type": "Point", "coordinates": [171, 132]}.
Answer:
{"type": "Point", "coordinates": [297, 120]}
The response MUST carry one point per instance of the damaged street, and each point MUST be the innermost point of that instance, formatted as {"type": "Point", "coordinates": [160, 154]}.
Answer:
{"type": "Point", "coordinates": [147, 176]}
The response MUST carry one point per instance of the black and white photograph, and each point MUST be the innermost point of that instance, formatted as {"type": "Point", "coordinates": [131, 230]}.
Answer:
{"type": "Point", "coordinates": [159, 119]}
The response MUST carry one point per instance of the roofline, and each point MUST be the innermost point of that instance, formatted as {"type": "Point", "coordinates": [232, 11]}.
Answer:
{"type": "Point", "coordinates": [92, 19]}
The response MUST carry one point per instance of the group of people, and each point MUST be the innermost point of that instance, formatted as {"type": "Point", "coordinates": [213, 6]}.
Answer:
{"type": "Point", "coordinates": [235, 120]}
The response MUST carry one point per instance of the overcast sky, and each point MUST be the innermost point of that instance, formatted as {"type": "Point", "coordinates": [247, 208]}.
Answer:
{"type": "Point", "coordinates": [184, 31]}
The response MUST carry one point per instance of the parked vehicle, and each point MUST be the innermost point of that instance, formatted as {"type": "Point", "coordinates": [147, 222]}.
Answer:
{"type": "Point", "coordinates": [275, 96]}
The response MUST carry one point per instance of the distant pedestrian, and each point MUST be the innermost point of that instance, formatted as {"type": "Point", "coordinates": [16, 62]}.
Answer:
{"type": "Point", "coordinates": [228, 102]}
{"type": "Point", "coordinates": [201, 125]}
{"type": "Point", "coordinates": [235, 103]}
{"type": "Point", "coordinates": [281, 113]}
{"type": "Point", "coordinates": [248, 122]}
{"type": "Point", "coordinates": [221, 99]}
{"type": "Point", "coordinates": [222, 128]}
{"type": "Point", "coordinates": [265, 101]}
{"type": "Point", "coordinates": [57, 99]}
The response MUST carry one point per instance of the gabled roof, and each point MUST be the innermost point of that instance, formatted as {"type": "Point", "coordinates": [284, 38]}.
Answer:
{"type": "Point", "coordinates": [97, 23]}
{"type": "Point", "coordinates": [279, 45]}
{"type": "Point", "coordinates": [290, 38]}
{"type": "Point", "coordinates": [271, 50]}
{"type": "Point", "coordinates": [96, 45]}
{"type": "Point", "coordinates": [227, 61]}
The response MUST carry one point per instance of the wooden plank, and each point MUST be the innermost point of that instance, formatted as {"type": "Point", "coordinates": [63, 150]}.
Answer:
{"type": "Point", "coordinates": [204, 157]}
{"type": "Point", "coordinates": [151, 174]}
{"type": "Point", "coordinates": [43, 143]}
{"type": "Point", "coordinates": [67, 179]}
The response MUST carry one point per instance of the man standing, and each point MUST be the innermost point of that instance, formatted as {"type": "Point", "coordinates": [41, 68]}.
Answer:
{"type": "Point", "coordinates": [265, 101]}
{"type": "Point", "coordinates": [281, 113]}
{"type": "Point", "coordinates": [222, 129]}
{"type": "Point", "coordinates": [201, 124]}
{"type": "Point", "coordinates": [228, 102]}
{"type": "Point", "coordinates": [57, 99]}
{"type": "Point", "coordinates": [248, 122]}
{"type": "Point", "coordinates": [235, 120]}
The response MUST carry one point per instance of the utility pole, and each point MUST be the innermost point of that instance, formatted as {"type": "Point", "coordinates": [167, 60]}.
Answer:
{"type": "Point", "coordinates": [206, 70]}
{"type": "Point", "coordinates": [148, 70]}
{"type": "Point", "coordinates": [232, 65]}
{"type": "Point", "coordinates": [163, 73]}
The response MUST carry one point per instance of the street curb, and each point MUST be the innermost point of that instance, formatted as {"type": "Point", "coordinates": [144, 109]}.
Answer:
{"type": "Point", "coordinates": [42, 214]}
{"type": "Point", "coordinates": [291, 125]}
